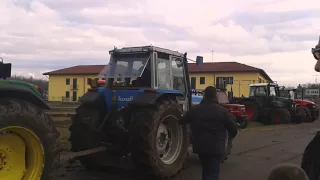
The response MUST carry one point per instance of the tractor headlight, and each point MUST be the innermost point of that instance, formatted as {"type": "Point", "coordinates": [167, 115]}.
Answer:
{"type": "Point", "coordinates": [243, 110]}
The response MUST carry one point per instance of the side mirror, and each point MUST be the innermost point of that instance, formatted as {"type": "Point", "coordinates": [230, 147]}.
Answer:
{"type": "Point", "coordinates": [199, 60]}
{"type": "Point", "coordinates": [5, 70]}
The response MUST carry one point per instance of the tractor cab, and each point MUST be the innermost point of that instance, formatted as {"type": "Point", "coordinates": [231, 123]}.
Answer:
{"type": "Point", "coordinates": [264, 89]}
{"type": "Point", "coordinates": [290, 93]}
{"type": "Point", "coordinates": [269, 95]}
{"type": "Point", "coordinates": [147, 69]}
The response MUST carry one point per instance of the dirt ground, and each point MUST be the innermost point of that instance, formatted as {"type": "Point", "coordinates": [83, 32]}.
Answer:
{"type": "Point", "coordinates": [255, 151]}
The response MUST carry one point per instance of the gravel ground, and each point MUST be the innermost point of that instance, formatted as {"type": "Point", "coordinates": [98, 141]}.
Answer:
{"type": "Point", "coordinates": [254, 153]}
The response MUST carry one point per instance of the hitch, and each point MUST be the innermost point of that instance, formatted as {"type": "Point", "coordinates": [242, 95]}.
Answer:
{"type": "Point", "coordinates": [72, 155]}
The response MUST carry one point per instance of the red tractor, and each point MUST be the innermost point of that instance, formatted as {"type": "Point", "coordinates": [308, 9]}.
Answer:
{"type": "Point", "coordinates": [310, 108]}
{"type": "Point", "coordinates": [236, 110]}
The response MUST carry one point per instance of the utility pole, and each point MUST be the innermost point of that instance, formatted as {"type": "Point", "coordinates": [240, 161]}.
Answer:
{"type": "Point", "coordinates": [212, 55]}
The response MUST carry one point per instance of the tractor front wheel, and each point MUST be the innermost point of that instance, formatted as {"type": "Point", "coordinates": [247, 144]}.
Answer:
{"type": "Point", "coordinates": [159, 144]}
{"type": "Point", "coordinates": [28, 148]}
{"type": "Point", "coordinates": [280, 116]}
{"type": "Point", "coordinates": [300, 115]}
{"type": "Point", "coordinates": [308, 117]}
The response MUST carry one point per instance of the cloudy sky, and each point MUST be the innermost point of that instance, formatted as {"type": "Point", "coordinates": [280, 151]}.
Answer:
{"type": "Point", "coordinates": [275, 35]}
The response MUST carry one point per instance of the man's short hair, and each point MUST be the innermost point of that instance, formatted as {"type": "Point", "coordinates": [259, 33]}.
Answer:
{"type": "Point", "coordinates": [210, 93]}
{"type": "Point", "coordinates": [287, 171]}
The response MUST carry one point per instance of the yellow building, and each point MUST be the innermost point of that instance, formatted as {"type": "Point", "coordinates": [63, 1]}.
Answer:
{"type": "Point", "coordinates": [234, 75]}
{"type": "Point", "coordinates": [70, 84]}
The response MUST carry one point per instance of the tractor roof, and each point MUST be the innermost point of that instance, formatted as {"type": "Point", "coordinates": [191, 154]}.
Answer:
{"type": "Point", "coordinates": [145, 49]}
{"type": "Point", "coordinates": [263, 84]}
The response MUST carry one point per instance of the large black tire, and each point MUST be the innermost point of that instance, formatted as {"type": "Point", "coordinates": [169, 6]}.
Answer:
{"type": "Point", "coordinates": [300, 115]}
{"type": "Point", "coordinates": [14, 112]}
{"type": "Point", "coordinates": [308, 117]}
{"type": "Point", "coordinates": [280, 116]}
{"type": "Point", "coordinates": [252, 110]}
{"type": "Point", "coordinates": [144, 130]}
{"type": "Point", "coordinates": [83, 137]}
{"type": "Point", "coordinates": [315, 115]}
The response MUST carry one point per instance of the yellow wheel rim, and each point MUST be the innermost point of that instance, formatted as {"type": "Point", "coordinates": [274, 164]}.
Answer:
{"type": "Point", "coordinates": [21, 154]}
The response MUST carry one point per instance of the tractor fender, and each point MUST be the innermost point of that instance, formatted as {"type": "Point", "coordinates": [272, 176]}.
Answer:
{"type": "Point", "coordinates": [23, 93]}
{"type": "Point", "coordinates": [150, 99]}
{"type": "Point", "coordinates": [93, 99]}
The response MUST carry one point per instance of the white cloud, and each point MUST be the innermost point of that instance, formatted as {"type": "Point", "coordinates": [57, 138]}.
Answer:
{"type": "Point", "coordinates": [44, 35]}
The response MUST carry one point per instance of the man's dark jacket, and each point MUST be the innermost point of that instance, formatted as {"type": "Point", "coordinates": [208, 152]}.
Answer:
{"type": "Point", "coordinates": [208, 122]}
{"type": "Point", "coordinates": [311, 158]}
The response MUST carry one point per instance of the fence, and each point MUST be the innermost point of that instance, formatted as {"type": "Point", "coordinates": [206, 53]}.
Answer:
{"type": "Point", "coordinates": [63, 99]}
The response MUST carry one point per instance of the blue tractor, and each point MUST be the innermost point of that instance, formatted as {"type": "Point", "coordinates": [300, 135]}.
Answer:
{"type": "Point", "coordinates": [134, 115]}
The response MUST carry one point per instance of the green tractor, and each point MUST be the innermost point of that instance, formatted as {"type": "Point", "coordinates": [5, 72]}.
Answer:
{"type": "Point", "coordinates": [265, 105]}
{"type": "Point", "coordinates": [29, 148]}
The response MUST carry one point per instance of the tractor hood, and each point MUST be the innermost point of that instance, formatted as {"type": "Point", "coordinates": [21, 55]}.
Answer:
{"type": "Point", "coordinates": [23, 84]}
{"type": "Point", "coordinates": [300, 101]}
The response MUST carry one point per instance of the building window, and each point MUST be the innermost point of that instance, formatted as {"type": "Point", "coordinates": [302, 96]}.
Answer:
{"type": "Point", "coordinates": [229, 80]}
{"type": "Point", "coordinates": [67, 94]}
{"type": "Point", "coordinates": [88, 81]}
{"type": "Point", "coordinates": [193, 83]}
{"type": "Point", "coordinates": [202, 80]}
{"type": "Point", "coordinates": [223, 80]}
{"type": "Point", "coordinates": [68, 81]}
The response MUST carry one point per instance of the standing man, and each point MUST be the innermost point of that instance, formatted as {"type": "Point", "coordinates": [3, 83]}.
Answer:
{"type": "Point", "coordinates": [209, 121]}
{"type": "Point", "coordinates": [311, 156]}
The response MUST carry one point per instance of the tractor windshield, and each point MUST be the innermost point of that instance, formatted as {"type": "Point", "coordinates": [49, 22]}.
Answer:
{"type": "Point", "coordinates": [128, 70]}
{"type": "Point", "coordinates": [125, 66]}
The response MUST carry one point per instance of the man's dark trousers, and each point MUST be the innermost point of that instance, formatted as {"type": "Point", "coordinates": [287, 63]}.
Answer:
{"type": "Point", "coordinates": [210, 167]}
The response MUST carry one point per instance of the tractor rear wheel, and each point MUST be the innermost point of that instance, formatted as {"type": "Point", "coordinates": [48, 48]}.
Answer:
{"type": "Point", "coordinates": [308, 115]}
{"type": "Point", "coordinates": [280, 116]}
{"type": "Point", "coordinates": [159, 144]}
{"type": "Point", "coordinates": [29, 148]}
{"type": "Point", "coordinates": [252, 110]}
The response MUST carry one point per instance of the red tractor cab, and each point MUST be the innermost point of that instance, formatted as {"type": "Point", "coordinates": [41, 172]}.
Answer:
{"type": "Point", "coordinates": [310, 108]}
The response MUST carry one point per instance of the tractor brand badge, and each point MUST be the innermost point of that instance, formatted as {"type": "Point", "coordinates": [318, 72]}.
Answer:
{"type": "Point", "coordinates": [125, 98]}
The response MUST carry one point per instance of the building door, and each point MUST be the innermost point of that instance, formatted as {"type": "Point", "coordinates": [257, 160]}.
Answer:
{"type": "Point", "coordinates": [74, 96]}
{"type": "Point", "coordinates": [193, 83]}
{"type": "Point", "coordinates": [74, 83]}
